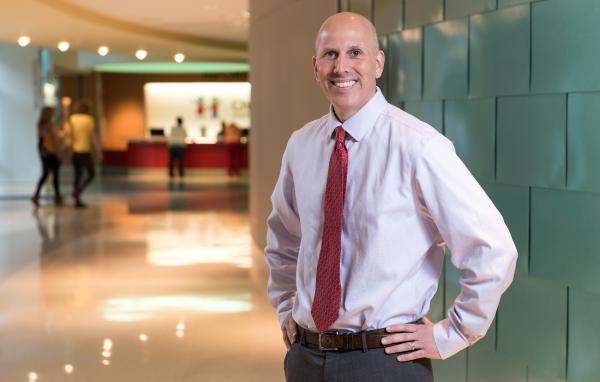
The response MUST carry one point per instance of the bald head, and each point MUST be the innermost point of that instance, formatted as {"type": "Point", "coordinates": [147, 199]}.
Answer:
{"type": "Point", "coordinates": [347, 20]}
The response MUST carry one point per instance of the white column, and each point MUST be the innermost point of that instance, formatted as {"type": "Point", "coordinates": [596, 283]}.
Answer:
{"type": "Point", "coordinates": [19, 163]}
{"type": "Point", "coordinates": [285, 96]}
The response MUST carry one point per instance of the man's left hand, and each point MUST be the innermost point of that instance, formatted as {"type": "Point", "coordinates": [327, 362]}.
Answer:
{"type": "Point", "coordinates": [417, 339]}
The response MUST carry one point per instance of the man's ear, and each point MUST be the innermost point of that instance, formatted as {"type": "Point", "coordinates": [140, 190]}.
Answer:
{"type": "Point", "coordinates": [379, 63]}
{"type": "Point", "coordinates": [315, 70]}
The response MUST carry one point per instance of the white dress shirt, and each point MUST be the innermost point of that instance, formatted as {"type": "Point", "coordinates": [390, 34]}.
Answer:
{"type": "Point", "coordinates": [408, 195]}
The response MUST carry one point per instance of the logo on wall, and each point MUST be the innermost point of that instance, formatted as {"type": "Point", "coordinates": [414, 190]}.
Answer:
{"type": "Point", "coordinates": [215, 107]}
{"type": "Point", "coordinates": [200, 106]}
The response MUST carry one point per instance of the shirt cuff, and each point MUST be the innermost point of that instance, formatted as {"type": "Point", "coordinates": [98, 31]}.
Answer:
{"type": "Point", "coordinates": [447, 339]}
{"type": "Point", "coordinates": [284, 309]}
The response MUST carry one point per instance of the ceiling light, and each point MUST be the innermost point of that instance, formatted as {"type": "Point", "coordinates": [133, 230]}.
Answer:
{"type": "Point", "coordinates": [24, 41]}
{"type": "Point", "coordinates": [69, 369]}
{"type": "Point", "coordinates": [63, 46]}
{"type": "Point", "coordinates": [246, 14]}
{"type": "Point", "coordinates": [179, 57]}
{"type": "Point", "coordinates": [103, 50]}
{"type": "Point", "coordinates": [141, 54]}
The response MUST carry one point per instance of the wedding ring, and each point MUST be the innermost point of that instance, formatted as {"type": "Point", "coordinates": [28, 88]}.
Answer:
{"type": "Point", "coordinates": [412, 346]}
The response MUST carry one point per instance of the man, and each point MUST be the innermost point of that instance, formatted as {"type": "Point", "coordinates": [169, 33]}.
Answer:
{"type": "Point", "coordinates": [355, 249]}
{"type": "Point", "coordinates": [176, 141]}
{"type": "Point", "coordinates": [84, 143]}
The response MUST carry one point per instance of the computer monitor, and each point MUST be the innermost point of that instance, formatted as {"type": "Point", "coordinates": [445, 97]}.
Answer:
{"type": "Point", "coordinates": [157, 132]}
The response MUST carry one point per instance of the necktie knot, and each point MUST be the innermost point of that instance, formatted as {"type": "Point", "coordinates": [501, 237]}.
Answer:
{"type": "Point", "coordinates": [340, 135]}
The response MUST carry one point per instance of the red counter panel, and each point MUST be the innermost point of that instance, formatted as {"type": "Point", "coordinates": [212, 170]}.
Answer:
{"type": "Point", "coordinates": [156, 154]}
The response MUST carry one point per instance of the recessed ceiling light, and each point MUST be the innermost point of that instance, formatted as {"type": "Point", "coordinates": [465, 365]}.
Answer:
{"type": "Point", "coordinates": [141, 54]}
{"type": "Point", "coordinates": [179, 57]}
{"type": "Point", "coordinates": [69, 369]}
{"type": "Point", "coordinates": [24, 41]}
{"type": "Point", "coordinates": [103, 50]}
{"type": "Point", "coordinates": [63, 46]}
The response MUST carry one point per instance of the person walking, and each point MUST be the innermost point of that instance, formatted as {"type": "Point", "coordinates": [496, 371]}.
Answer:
{"type": "Point", "coordinates": [84, 143]}
{"type": "Point", "coordinates": [48, 144]}
{"type": "Point", "coordinates": [176, 142]}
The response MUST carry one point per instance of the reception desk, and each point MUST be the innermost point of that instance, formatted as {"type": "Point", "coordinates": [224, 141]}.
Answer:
{"type": "Point", "coordinates": [151, 154]}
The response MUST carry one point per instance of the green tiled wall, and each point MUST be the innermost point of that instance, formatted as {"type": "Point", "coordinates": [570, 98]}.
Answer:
{"type": "Point", "coordinates": [471, 125]}
{"type": "Point", "coordinates": [388, 15]}
{"type": "Point", "coordinates": [531, 144]}
{"type": "Point", "coordinates": [565, 51]}
{"type": "Point", "coordinates": [446, 54]}
{"type": "Point", "coordinates": [420, 12]}
{"type": "Point", "coordinates": [499, 52]}
{"type": "Point", "coordinates": [515, 84]}
{"type": "Point", "coordinates": [404, 61]}
{"type": "Point", "coordinates": [460, 8]}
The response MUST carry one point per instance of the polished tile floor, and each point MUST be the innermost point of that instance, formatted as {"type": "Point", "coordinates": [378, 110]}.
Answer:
{"type": "Point", "coordinates": [150, 283]}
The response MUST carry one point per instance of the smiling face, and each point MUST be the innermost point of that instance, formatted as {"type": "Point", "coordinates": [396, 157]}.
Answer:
{"type": "Point", "coordinates": [347, 62]}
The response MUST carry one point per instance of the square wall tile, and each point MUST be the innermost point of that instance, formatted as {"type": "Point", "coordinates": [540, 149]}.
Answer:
{"type": "Point", "coordinates": [565, 51]}
{"type": "Point", "coordinates": [404, 65]}
{"type": "Point", "coordinates": [484, 366]}
{"type": "Point", "coordinates": [584, 336]}
{"type": "Point", "coordinates": [499, 58]}
{"type": "Point", "coordinates": [583, 141]}
{"type": "Point", "coordinates": [382, 81]}
{"type": "Point", "coordinates": [471, 126]}
{"type": "Point", "coordinates": [421, 12]}
{"type": "Point", "coordinates": [453, 369]}
{"type": "Point", "coordinates": [510, 3]}
{"type": "Point", "coordinates": [344, 5]}
{"type": "Point", "coordinates": [388, 16]}
{"type": "Point", "coordinates": [430, 112]}
{"type": "Point", "coordinates": [446, 54]}
{"type": "Point", "coordinates": [513, 204]}
{"type": "Point", "coordinates": [532, 325]}
{"type": "Point", "coordinates": [565, 226]}
{"type": "Point", "coordinates": [363, 7]}
{"type": "Point", "coordinates": [436, 307]}
{"type": "Point", "coordinates": [531, 140]}
{"type": "Point", "coordinates": [459, 8]}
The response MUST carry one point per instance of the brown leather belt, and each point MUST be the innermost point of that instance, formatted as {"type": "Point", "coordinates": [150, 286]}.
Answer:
{"type": "Point", "coordinates": [341, 341]}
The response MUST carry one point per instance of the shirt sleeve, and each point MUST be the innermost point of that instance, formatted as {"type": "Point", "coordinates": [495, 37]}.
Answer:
{"type": "Point", "coordinates": [479, 241]}
{"type": "Point", "coordinates": [283, 241]}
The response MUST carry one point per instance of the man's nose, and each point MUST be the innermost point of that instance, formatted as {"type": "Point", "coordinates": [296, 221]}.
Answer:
{"type": "Point", "coordinates": [341, 65]}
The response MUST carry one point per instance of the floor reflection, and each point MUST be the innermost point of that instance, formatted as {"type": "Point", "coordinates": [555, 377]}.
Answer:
{"type": "Point", "coordinates": [147, 284]}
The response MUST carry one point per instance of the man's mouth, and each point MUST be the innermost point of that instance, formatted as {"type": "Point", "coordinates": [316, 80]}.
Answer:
{"type": "Point", "coordinates": [343, 84]}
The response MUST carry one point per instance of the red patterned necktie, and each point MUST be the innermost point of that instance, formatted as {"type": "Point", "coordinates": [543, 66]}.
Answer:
{"type": "Point", "coordinates": [326, 304]}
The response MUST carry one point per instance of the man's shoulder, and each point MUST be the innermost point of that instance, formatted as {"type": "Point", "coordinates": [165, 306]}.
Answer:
{"type": "Point", "coordinates": [409, 128]}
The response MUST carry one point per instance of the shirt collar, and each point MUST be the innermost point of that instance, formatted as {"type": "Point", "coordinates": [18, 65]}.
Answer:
{"type": "Point", "coordinates": [362, 121]}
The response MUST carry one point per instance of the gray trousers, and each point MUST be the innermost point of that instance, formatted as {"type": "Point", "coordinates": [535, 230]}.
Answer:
{"type": "Point", "coordinates": [307, 364]}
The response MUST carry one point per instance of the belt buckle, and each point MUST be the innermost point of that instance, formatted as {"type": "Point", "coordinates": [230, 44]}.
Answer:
{"type": "Point", "coordinates": [323, 348]}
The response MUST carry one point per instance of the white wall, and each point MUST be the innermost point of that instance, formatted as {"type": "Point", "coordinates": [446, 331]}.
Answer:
{"type": "Point", "coordinates": [18, 115]}
{"type": "Point", "coordinates": [285, 94]}
{"type": "Point", "coordinates": [165, 101]}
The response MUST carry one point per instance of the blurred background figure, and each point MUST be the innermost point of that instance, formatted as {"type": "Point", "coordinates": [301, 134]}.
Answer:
{"type": "Point", "coordinates": [84, 142]}
{"type": "Point", "coordinates": [232, 140]}
{"type": "Point", "coordinates": [176, 142]}
{"type": "Point", "coordinates": [48, 143]}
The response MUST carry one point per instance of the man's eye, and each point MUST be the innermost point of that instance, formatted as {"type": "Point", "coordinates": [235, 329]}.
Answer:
{"type": "Point", "coordinates": [330, 55]}
{"type": "Point", "coordinates": [355, 53]}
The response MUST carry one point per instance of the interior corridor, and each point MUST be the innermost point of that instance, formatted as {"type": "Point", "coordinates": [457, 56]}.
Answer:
{"type": "Point", "coordinates": [152, 282]}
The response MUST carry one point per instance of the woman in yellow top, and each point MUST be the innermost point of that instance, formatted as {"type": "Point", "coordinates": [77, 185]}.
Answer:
{"type": "Point", "coordinates": [48, 142]}
{"type": "Point", "coordinates": [83, 138]}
